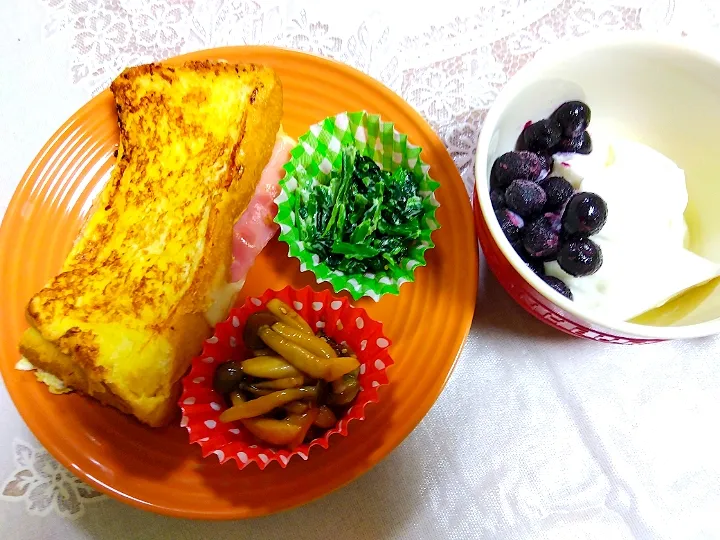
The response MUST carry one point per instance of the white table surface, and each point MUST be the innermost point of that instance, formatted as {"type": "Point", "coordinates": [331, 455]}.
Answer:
{"type": "Point", "coordinates": [537, 435]}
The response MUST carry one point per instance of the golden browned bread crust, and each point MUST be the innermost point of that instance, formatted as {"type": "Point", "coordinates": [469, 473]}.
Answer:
{"type": "Point", "coordinates": [126, 314]}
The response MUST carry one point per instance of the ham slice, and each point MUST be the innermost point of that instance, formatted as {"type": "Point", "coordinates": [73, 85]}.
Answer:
{"type": "Point", "coordinates": [256, 227]}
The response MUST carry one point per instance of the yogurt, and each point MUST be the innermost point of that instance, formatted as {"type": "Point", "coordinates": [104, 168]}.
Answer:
{"type": "Point", "coordinates": [645, 261]}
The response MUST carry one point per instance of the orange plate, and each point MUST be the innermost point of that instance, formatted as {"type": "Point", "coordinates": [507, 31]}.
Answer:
{"type": "Point", "coordinates": [157, 469]}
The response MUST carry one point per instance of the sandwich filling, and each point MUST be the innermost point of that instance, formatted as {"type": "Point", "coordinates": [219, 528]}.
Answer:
{"type": "Point", "coordinates": [253, 231]}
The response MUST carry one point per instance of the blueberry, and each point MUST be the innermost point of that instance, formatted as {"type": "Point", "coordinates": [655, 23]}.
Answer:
{"type": "Point", "coordinates": [558, 191]}
{"type": "Point", "coordinates": [539, 240]}
{"type": "Point", "coordinates": [558, 285]}
{"type": "Point", "coordinates": [511, 224]}
{"type": "Point", "coordinates": [542, 135]}
{"type": "Point", "coordinates": [513, 165]}
{"type": "Point", "coordinates": [546, 161]}
{"type": "Point", "coordinates": [536, 265]}
{"type": "Point", "coordinates": [582, 144]}
{"type": "Point", "coordinates": [518, 247]}
{"type": "Point", "coordinates": [573, 117]}
{"type": "Point", "coordinates": [497, 199]}
{"type": "Point", "coordinates": [525, 197]}
{"type": "Point", "coordinates": [554, 221]}
{"type": "Point", "coordinates": [520, 144]}
{"type": "Point", "coordinates": [580, 257]}
{"type": "Point", "coordinates": [585, 214]}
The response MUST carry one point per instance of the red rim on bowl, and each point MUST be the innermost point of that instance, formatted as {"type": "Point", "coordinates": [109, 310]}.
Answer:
{"type": "Point", "coordinates": [531, 300]}
{"type": "Point", "coordinates": [202, 406]}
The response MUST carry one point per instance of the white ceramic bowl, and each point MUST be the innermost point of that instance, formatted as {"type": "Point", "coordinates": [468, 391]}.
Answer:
{"type": "Point", "coordinates": [662, 92]}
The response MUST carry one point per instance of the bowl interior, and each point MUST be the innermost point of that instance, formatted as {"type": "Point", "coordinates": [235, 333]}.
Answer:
{"type": "Point", "coordinates": [664, 95]}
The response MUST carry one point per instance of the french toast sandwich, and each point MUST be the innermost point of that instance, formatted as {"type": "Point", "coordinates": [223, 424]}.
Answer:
{"type": "Point", "coordinates": [129, 308]}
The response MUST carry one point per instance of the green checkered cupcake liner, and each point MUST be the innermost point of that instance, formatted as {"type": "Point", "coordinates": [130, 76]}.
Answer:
{"type": "Point", "coordinates": [312, 161]}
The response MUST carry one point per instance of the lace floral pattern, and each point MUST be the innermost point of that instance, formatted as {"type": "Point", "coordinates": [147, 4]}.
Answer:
{"type": "Point", "coordinates": [450, 70]}
{"type": "Point", "coordinates": [449, 61]}
{"type": "Point", "coordinates": [449, 65]}
{"type": "Point", "coordinates": [44, 485]}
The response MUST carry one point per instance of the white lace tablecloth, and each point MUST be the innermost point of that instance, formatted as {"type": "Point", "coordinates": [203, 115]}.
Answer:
{"type": "Point", "coordinates": [537, 435]}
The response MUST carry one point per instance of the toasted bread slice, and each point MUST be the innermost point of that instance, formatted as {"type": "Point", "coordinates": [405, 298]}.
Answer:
{"type": "Point", "coordinates": [126, 314]}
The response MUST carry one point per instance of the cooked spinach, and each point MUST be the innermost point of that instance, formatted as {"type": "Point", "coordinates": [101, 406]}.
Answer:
{"type": "Point", "coordinates": [364, 220]}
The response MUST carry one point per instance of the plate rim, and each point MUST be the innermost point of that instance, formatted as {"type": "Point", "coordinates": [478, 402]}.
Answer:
{"type": "Point", "coordinates": [56, 451]}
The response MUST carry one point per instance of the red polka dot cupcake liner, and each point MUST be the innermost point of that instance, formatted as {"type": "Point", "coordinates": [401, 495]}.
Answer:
{"type": "Point", "coordinates": [201, 405]}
